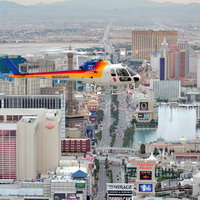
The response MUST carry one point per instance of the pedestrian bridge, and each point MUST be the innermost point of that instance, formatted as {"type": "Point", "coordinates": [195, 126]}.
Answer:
{"type": "Point", "coordinates": [110, 159]}
{"type": "Point", "coordinates": [104, 149]}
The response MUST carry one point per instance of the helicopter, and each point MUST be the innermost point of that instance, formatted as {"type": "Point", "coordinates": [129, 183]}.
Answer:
{"type": "Point", "coordinates": [101, 73]}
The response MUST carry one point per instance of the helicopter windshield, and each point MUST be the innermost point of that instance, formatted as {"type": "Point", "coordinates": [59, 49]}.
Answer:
{"type": "Point", "coordinates": [123, 75]}
{"type": "Point", "coordinates": [122, 72]}
{"type": "Point", "coordinates": [132, 73]}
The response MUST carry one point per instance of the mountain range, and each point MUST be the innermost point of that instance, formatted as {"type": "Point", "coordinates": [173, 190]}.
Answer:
{"type": "Point", "coordinates": [126, 9]}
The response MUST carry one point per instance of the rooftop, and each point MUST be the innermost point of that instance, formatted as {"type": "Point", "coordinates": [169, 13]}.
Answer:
{"type": "Point", "coordinates": [79, 174]}
{"type": "Point", "coordinates": [188, 154]}
{"type": "Point", "coordinates": [21, 191]}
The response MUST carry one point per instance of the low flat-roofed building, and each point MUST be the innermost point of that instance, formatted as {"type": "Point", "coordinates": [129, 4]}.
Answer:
{"type": "Point", "coordinates": [72, 178]}
{"type": "Point", "coordinates": [181, 146]}
{"type": "Point", "coordinates": [167, 90]}
{"type": "Point", "coordinates": [186, 157]}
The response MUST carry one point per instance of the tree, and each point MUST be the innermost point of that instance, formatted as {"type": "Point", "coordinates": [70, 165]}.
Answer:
{"type": "Point", "coordinates": [162, 172]}
{"type": "Point", "coordinates": [128, 137]}
{"type": "Point", "coordinates": [106, 163]}
{"type": "Point", "coordinates": [172, 172]}
{"type": "Point", "coordinates": [142, 149]}
{"type": "Point", "coordinates": [165, 172]}
{"type": "Point", "coordinates": [96, 161]}
{"type": "Point", "coordinates": [106, 195]}
{"type": "Point", "coordinates": [169, 172]}
{"type": "Point", "coordinates": [100, 116]}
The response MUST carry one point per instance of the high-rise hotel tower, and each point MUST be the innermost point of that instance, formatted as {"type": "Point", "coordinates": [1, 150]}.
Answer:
{"type": "Point", "coordinates": [145, 42]}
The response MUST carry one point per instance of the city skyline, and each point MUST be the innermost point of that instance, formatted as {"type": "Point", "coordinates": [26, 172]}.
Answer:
{"type": "Point", "coordinates": [33, 2]}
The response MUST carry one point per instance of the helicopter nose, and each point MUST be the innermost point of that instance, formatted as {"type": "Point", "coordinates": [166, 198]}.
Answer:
{"type": "Point", "coordinates": [136, 78]}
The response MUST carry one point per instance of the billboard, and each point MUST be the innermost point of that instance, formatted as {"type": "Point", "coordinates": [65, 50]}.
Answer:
{"type": "Point", "coordinates": [145, 165]}
{"type": "Point", "coordinates": [59, 196]}
{"type": "Point", "coordinates": [119, 186]}
{"type": "Point", "coordinates": [80, 86]}
{"type": "Point", "coordinates": [80, 185]}
{"type": "Point", "coordinates": [144, 115]}
{"type": "Point", "coordinates": [93, 119]}
{"type": "Point", "coordinates": [119, 191]}
{"type": "Point", "coordinates": [35, 199]}
{"type": "Point", "coordinates": [89, 132]}
{"type": "Point", "coordinates": [145, 175]}
{"type": "Point", "coordinates": [144, 106]}
{"type": "Point", "coordinates": [145, 187]}
{"type": "Point", "coordinates": [119, 198]}
{"type": "Point", "coordinates": [71, 196]}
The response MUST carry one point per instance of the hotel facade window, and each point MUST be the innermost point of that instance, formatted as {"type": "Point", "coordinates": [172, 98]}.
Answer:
{"type": "Point", "coordinates": [8, 154]}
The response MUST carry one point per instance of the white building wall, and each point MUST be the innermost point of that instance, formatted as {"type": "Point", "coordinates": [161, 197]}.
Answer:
{"type": "Point", "coordinates": [193, 61]}
{"type": "Point", "coordinates": [6, 87]}
{"type": "Point", "coordinates": [49, 144]}
{"type": "Point", "coordinates": [170, 89]}
{"type": "Point", "coordinates": [155, 62]}
{"type": "Point", "coordinates": [198, 72]}
{"type": "Point", "coordinates": [26, 151]}
{"type": "Point", "coordinates": [196, 185]}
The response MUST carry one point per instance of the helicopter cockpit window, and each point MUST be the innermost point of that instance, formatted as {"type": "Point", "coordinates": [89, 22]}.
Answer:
{"type": "Point", "coordinates": [132, 73]}
{"type": "Point", "coordinates": [122, 72]}
{"type": "Point", "coordinates": [112, 72]}
{"type": "Point", "coordinates": [123, 75]}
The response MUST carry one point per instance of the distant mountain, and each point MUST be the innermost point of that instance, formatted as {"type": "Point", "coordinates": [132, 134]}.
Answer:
{"type": "Point", "coordinates": [119, 9]}
{"type": "Point", "coordinates": [106, 4]}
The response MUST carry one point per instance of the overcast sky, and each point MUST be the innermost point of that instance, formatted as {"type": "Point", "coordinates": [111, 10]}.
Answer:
{"type": "Point", "coordinates": [29, 2]}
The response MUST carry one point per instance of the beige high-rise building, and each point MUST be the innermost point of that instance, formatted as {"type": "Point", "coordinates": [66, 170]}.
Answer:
{"type": "Point", "coordinates": [144, 42]}
{"type": "Point", "coordinates": [29, 142]}
{"type": "Point", "coordinates": [28, 86]}
{"type": "Point", "coordinates": [31, 86]}
{"type": "Point", "coordinates": [198, 72]}
{"type": "Point", "coordinates": [7, 87]}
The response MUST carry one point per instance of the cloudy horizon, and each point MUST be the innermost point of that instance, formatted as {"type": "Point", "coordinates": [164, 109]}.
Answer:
{"type": "Point", "coordinates": [33, 2]}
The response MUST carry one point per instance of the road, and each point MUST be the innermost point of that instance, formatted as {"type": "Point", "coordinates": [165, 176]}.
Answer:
{"type": "Point", "coordinates": [103, 179]}
{"type": "Point", "coordinates": [108, 44]}
{"type": "Point", "coordinates": [115, 165]}
{"type": "Point", "coordinates": [123, 120]}
{"type": "Point", "coordinates": [118, 171]}
{"type": "Point", "coordinates": [105, 141]}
